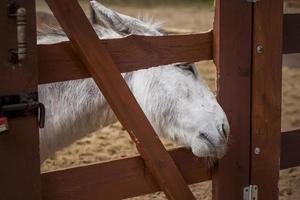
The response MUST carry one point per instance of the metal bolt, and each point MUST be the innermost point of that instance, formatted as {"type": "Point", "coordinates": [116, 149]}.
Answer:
{"type": "Point", "coordinates": [259, 49]}
{"type": "Point", "coordinates": [257, 150]}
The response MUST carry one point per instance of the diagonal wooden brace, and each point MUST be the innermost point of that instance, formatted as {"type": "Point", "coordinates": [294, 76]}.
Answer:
{"type": "Point", "coordinates": [106, 75]}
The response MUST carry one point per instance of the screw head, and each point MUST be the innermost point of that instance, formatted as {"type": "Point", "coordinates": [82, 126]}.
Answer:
{"type": "Point", "coordinates": [259, 49]}
{"type": "Point", "coordinates": [257, 150]}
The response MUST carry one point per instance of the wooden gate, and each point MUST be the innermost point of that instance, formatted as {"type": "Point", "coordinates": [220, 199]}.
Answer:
{"type": "Point", "coordinates": [246, 47]}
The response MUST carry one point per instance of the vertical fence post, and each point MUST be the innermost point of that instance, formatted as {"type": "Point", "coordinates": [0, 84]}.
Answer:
{"type": "Point", "coordinates": [266, 99]}
{"type": "Point", "coordinates": [232, 55]}
{"type": "Point", "coordinates": [19, 147]}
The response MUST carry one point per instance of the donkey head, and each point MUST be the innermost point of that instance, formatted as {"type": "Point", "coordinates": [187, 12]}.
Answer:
{"type": "Point", "coordinates": [174, 97]}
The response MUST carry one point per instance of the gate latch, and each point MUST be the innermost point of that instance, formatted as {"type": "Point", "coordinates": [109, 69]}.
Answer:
{"type": "Point", "coordinates": [20, 105]}
{"type": "Point", "coordinates": [251, 192]}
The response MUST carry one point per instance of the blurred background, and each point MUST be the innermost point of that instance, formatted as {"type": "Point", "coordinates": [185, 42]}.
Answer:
{"type": "Point", "coordinates": [186, 16]}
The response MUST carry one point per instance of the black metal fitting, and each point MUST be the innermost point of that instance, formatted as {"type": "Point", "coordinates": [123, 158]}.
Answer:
{"type": "Point", "coordinates": [22, 105]}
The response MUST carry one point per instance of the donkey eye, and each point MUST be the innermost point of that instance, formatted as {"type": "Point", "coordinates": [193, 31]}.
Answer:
{"type": "Point", "coordinates": [186, 67]}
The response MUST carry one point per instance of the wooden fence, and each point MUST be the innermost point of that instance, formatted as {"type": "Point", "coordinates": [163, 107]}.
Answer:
{"type": "Point", "coordinates": [246, 47]}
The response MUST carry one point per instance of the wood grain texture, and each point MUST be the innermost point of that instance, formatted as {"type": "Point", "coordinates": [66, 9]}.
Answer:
{"type": "Point", "coordinates": [19, 148]}
{"type": "Point", "coordinates": [290, 143]}
{"type": "Point", "coordinates": [291, 33]}
{"type": "Point", "coordinates": [21, 76]}
{"type": "Point", "coordinates": [126, 178]}
{"type": "Point", "coordinates": [266, 97]}
{"type": "Point", "coordinates": [232, 49]}
{"type": "Point", "coordinates": [101, 66]}
{"type": "Point", "coordinates": [58, 62]}
{"type": "Point", "coordinates": [132, 178]}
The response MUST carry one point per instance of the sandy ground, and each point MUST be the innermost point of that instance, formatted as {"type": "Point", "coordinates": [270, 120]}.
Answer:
{"type": "Point", "coordinates": [113, 142]}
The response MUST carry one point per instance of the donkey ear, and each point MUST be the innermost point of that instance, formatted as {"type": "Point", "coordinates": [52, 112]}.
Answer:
{"type": "Point", "coordinates": [123, 24]}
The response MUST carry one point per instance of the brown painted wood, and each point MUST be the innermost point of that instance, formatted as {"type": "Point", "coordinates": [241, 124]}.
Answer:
{"type": "Point", "coordinates": [106, 75]}
{"type": "Point", "coordinates": [58, 62]}
{"type": "Point", "coordinates": [291, 33]}
{"type": "Point", "coordinates": [19, 148]}
{"type": "Point", "coordinates": [232, 37]}
{"type": "Point", "coordinates": [118, 179]}
{"type": "Point", "coordinates": [14, 78]}
{"type": "Point", "coordinates": [20, 166]}
{"type": "Point", "coordinates": [290, 143]}
{"type": "Point", "coordinates": [132, 178]}
{"type": "Point", "coordinates": [266, 97]}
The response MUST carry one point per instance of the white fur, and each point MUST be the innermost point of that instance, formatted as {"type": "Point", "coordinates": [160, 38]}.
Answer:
{"type": "Point", "coordinates": [176, 100]}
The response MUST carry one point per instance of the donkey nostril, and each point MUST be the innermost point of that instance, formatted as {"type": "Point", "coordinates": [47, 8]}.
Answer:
{"type": "Point", "coordinates": [224, 131]}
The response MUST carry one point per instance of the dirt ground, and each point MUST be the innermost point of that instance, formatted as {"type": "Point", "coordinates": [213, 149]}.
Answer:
{"type": "Point", "coordinates": [113, 142]}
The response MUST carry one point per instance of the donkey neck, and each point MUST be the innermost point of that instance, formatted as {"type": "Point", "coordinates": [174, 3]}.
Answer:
{"type": "Point", "coordinates": [73, 109]}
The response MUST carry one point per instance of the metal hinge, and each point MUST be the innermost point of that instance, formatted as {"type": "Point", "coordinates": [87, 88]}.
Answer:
{"type": "Point", "coordinates": [252, 1]}
{"type": "Point", "coordinates": [18, 53]}
{"type": "Point", "coordinates": [251, 192]}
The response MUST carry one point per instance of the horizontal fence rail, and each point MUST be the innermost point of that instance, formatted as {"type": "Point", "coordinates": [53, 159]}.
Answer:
{"type": "Point", "coordinates": [290, 143]}
{"type": "Point", "coordinates": [58, 62]}
{"type": "Point", "coordinates": [129, 177]}
{"type": "Point", "coordinates": [117, 179]}
{"type": "Point", "coordinates": [291, 33]}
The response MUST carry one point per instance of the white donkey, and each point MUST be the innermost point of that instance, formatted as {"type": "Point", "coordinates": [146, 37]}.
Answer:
{"type": "Point", "coordinates": [174, 97]}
